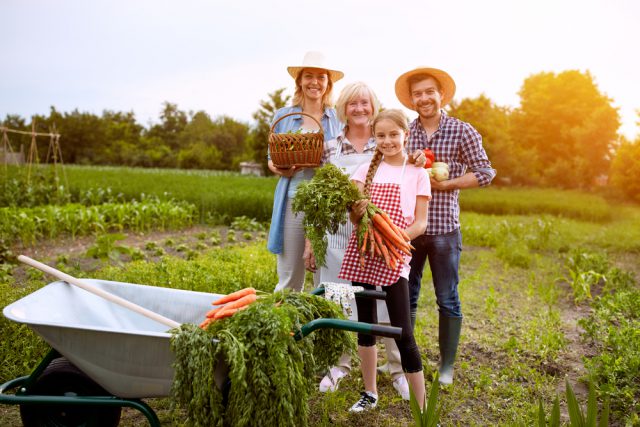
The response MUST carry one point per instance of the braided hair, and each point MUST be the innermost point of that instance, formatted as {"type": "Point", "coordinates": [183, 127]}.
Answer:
{"type": "Point", "coordinates": [400, 119]}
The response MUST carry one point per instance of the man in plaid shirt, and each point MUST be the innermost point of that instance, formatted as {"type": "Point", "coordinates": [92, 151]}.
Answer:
{"type": "Point", "coordinates": [427, 91]}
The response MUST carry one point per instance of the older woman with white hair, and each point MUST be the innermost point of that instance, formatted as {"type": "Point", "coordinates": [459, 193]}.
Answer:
{"type": "Point", "coordinates": [356, 107]}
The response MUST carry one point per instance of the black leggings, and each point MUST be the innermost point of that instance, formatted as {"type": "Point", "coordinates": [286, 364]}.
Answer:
{"type": "Point", "coordinates": [398, 307]}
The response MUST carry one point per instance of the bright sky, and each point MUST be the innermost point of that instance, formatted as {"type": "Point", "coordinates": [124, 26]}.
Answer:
{"type": "Point", "coordinates": [223, 57]}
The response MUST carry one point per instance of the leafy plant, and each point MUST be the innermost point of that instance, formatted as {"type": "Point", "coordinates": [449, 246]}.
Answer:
{"type": "Point", "coordinates": [577, 418]}
{"type": "Point", "coordinates": [430, 415]}
{"type": "Point", "coordinates": [554, 419]}
{"type": "Point", "coordinates": [612, 330]}
{"type": "Point", "coordinates": [271, 373]}
{"type": "Point", "coordinates": [585, 271]}
{"type": "Point", "coordinates": [105, 247]}
{"type": "Point", "coordinates": [324, 199]}
{"type": "Point", "coordinates": [244, 223]}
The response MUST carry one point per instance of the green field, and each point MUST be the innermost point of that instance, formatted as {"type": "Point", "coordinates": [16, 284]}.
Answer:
{"type": "Point", "coordinates": [549, 289]}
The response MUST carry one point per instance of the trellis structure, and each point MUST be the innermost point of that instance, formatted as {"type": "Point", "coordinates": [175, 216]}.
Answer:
{"type": "Point", "coordinates": [54, 151]}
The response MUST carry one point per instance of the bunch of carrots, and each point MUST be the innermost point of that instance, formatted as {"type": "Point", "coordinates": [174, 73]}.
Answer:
{"type": "Point", "coordinates": [230, 304]}
{"type": "Point", "coordinates": [379, 236]}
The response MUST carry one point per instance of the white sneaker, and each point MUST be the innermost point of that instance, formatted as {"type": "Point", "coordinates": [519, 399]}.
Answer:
{"type": "Point", "coordinates": [332, 379]}
{"type": "Point", "coordinates": [402, 386]}
{"type": "Point", "coordinates": [366, 402]}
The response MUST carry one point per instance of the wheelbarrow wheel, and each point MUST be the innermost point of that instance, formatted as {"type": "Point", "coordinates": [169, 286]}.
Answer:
{"type": "Point", "coordinates": [62, 378]}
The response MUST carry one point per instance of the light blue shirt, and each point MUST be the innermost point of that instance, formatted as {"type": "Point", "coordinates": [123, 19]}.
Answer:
{"type": "Point", "coordinates": [286, 187]}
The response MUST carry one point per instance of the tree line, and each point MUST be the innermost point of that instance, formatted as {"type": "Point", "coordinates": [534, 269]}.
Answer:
{"type": "Point", "coordinates": [563, 134]}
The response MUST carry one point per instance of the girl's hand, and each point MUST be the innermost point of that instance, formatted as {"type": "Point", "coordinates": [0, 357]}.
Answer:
{"type": "Point", "coordinates": [418, 158]}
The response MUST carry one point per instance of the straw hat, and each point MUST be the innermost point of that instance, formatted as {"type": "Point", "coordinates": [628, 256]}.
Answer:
{"type": "Point", "coordinates": [315, 60]}
{"type": "Point", "coordinates": [403, 91]}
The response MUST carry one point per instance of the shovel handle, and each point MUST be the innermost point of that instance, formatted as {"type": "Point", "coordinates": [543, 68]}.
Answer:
{"type": "Point", "coordinates": [97, 291]}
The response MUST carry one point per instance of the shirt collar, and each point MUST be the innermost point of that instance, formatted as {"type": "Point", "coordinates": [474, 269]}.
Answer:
{"type": "Point", "coordinates": [341, 138]}
{"type": "Point", "coordinates": [444, 117]}
{"type": "Point", "coordinates": [328, 113]}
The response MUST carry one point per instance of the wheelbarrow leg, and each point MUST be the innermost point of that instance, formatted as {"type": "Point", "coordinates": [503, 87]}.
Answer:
{"type": "Point", "coordinates": [46, 361]}
{"type": "Point", "coordinates": [145, 409]}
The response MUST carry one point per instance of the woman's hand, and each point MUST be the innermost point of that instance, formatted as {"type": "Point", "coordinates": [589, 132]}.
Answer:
{"type": "Point", "coordinates": [287, 173]}
{"type": "Point", "coordinates": [308, 257]}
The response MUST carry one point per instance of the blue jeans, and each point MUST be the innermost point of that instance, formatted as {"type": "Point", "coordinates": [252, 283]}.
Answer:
{"type": "Point", "coordinates": [443, 252]}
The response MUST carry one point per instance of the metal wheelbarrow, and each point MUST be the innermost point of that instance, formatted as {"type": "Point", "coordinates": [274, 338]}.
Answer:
{"type": "Point", "coordinates": [104, 356]}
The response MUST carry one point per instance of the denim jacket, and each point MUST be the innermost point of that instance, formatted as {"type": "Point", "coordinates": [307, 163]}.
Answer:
{"type": "Point", "coordinates": [286, 186]}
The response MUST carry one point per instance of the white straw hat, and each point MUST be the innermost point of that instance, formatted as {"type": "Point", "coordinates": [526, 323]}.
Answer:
{"type": "Point", "coordinates": [403, 91]}
{"type": "Point", "coordinates": [315, 60]}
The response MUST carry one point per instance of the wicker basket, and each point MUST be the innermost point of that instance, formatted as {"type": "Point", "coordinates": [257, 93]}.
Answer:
{"type": "Point", "coordinates": [296, 149]}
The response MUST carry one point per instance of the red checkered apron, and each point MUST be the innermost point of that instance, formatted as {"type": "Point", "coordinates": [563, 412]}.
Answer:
{"type": "Point", "coordinates": [375, 271]}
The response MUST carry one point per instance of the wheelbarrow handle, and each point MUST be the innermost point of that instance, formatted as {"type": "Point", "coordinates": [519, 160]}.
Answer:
{"type": "Point", "coordinates": [349, 325]}
{"type": "Point", "coordinates": [99, 292]}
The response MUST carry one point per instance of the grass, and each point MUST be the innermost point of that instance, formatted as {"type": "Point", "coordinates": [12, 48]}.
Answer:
{"type": "Point", "coordinates": [220, 197]}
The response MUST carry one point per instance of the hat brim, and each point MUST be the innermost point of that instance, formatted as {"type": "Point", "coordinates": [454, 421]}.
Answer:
{"type": "Point", "coordinates": [334, 75]}
{"type": "Point", "coordinates": [403, 91]}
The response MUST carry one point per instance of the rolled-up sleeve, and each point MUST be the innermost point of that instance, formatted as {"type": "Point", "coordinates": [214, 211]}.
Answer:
{"type": "Point", "coordinates": [475, 157]}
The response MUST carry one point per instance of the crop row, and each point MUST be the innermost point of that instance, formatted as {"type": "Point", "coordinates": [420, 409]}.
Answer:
{"type": "Point", "coordinates": [30, 224]}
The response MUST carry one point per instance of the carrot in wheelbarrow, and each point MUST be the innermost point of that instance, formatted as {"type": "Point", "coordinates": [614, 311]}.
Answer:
{"type": "Point", "coordinates": [239, 303]}
{"type": "Point", "coordinates": [213, 311]}
{"type": "Point", "coordinates": [234, 296]}
{"type": "Point", "coordinates": [228, 312]}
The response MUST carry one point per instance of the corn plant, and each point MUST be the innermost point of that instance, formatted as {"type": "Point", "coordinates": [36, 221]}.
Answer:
{"type": "Point", "coordinates": [105, 247]}
{"type": "Point", "coordinates": [554, 419]}
{"type": "Point", "coordinates": [577, 418]}
{"type": "Point", "coordinates": [585, 271]}
{"type": "Point", "coordinates": [430, 414]}
{"type": "Point", "coordinates": [590, 419]}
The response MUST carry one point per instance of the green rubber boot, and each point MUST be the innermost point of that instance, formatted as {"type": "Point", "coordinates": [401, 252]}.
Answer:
{"type": "Point", "coordinates": [448, 337]}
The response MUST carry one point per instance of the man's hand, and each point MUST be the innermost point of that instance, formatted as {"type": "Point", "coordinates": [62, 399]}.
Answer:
{"type": "Point", "coordinates": [440, 185]}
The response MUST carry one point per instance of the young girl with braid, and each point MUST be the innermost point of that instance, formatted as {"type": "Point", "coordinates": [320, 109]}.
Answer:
{"type": "Point", "coordinates": [403, 192]}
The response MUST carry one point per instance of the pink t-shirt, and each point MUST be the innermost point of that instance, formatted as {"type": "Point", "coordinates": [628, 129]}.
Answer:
{"type": "Point", "coordinates": [415, 183]}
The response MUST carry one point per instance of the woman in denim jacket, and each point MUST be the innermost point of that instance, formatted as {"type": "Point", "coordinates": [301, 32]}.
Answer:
{"type": "Point", "coordinates": [314, 83]}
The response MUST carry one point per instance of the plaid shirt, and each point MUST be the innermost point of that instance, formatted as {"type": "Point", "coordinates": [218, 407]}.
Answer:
{"type": "Point", "coordinates": [460, 146]}
{"type": "Point", "coordinates": [331, 147]}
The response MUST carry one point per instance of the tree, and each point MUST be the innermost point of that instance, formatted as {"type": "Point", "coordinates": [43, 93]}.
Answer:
{"type": "Point", "coordinates": [568, 124]}
{"type": "Point", "coordinates": [259, 138]}
{"type": "Point", "coordinates": [493, 122]}
{"type": "Point", "coordinates": [173, 122]}
{"type": "Point", "coordinates": [625, 168]}
{"type": "Point", "coordinates": [230, 138]}
{"type": "Point", "coordinates": [122, 138]}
